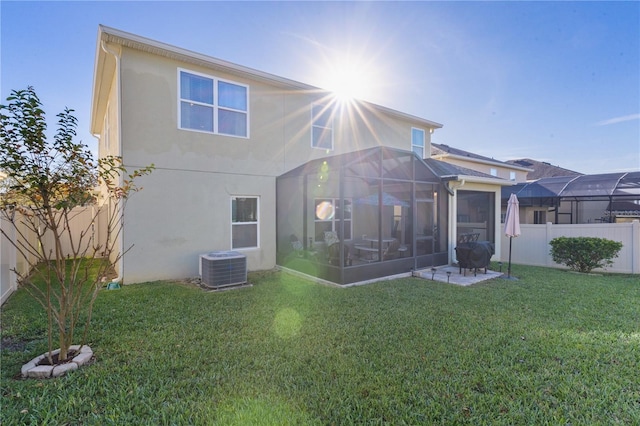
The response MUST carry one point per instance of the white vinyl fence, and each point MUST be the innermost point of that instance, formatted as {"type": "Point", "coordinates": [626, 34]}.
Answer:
{"type": "Point", "coordinates": [11, 258]}
{"type": "Point", "coordinates": [532, 246]}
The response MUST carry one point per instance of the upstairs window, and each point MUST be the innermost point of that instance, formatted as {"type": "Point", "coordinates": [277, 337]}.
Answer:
{"type": "Point", "coordinates": [209, 104]}
{"type": "Point", "coordinates": [322, 127]}
{"type": "Point", "coordinates": [417, 142]}
{"type": "Point", "coordinates": [493, 172]}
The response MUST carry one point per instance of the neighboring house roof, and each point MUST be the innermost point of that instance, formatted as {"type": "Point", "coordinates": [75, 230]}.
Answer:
{"type": "Point", "coordinates": [542, 169]}
{"type": "Point", "coordinates": [132, 41]}
{"type": "Point", "coordinates": [447, 171]}
{"type": "Point", "coordinates": [441, 151]}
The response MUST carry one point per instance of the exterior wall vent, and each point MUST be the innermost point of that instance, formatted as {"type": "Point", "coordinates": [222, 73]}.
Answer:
{"type": "Point", "coordinates": [223, 269]}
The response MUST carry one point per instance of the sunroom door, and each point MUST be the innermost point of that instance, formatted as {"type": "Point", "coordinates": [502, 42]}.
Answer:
{"type": "Point", "coordinates": [425, 215]}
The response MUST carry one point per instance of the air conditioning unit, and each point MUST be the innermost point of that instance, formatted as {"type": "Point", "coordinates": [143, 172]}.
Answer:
{"type": "Point", "coordinates": [223, 269]}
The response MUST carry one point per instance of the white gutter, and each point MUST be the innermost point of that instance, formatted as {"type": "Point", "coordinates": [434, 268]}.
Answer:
{"type": "Point", "coordinates": [491, 162]}
{"type": "Point", "coordinates": [144, 44]}
{"type": "Point", "coordinates": [116, 56]}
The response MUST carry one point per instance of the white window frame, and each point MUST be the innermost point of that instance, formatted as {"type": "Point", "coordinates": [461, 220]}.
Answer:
{"type": "Point", "coordinates": [422, 147]}
{"type": "Point", "coordinates": [215, 107]}
{"type": "Point", "coordinates": [334, 219]}
{"type": "Point", "coordinates": [328, 127]}
{"type": "Point", "coordinates": [493, 172]}
{"type": "Point", "coordinates": [512, 175]}
{"type": "Point", "coordinates": [255, 222]}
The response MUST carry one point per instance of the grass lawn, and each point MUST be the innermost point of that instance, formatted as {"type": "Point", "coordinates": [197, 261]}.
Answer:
{"type": "Point", "coordinates": [553, 347]}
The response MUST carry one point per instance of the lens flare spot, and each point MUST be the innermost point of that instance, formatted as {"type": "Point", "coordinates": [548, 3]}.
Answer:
{"type": "Point", "coordinates": [324, 210]}
{"type": "Point", "coordinates": [287, 323]}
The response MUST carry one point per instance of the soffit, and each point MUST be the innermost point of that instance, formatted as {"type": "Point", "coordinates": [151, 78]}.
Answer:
{"type": "Point", "coordinates": [154, 47]}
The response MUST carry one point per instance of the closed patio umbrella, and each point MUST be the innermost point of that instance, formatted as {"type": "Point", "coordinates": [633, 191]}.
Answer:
{"type": "Point", "coordinates": [512, 224]}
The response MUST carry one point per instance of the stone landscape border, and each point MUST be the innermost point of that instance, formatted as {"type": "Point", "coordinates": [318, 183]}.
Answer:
{"type": "Point", "coordinates": [35, 371]}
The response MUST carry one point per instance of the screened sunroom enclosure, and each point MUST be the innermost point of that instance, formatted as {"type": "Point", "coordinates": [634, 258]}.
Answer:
{"type": "Point", "coordinates": [361, 216]}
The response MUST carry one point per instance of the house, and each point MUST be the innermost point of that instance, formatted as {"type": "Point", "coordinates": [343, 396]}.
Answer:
{"type": "Point", "coordinates": [275, 169]}
{"type": "Point", "coordinates": [490, 166]}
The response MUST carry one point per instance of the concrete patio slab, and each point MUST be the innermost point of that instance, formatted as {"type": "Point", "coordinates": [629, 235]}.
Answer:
{"type": "Point", "coordinates": [455, 276]}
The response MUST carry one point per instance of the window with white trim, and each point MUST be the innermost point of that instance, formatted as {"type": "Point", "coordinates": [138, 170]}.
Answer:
{"type": "Point", "coordinates": [417, 142]}
{"type": "Point", "coordinates": [512, 175]}
{"type": "Point", "coordinates": [493, 172]}
{"type": "Point", "coordinates": [322, 126]}
{"type": "Point", "coordinates": [209, 104]}
{"type": "Point", "coordinates": [327, 217]}
{"type": "Point", "coordinates": [245, 222]}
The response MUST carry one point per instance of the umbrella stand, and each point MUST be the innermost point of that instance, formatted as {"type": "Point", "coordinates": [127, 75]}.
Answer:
{"type": "Point", "coordinates": [511, 227]}
{"type": "Point", "coordinates": [509, 277]}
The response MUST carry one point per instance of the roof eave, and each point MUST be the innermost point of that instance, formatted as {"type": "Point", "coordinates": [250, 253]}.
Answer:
{"type": "Point", "coordinates": [137, 42]}
{"type": "Point", "coordinates": [481, 161]}
{"type": "Point", "coordinates": [480, 179]}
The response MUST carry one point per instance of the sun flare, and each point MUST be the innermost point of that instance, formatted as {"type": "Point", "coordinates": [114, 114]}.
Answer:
{"type": "Point", "coordinates": [348, 77]}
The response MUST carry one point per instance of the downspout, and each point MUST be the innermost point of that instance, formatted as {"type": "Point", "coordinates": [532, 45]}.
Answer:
{"type": "Point", "coordinates": [116, 56]}
{"type": "Point", "coordinates": [93, 213]}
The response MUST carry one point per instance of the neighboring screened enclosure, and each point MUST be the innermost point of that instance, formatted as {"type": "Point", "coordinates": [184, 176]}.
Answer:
{"type": "Point", "coordinates": [608, 197]}
{"type": "Point", "coordinates": [361, 216]}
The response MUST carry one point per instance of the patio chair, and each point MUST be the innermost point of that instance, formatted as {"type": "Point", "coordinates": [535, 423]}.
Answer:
{"type": "Point", "coordinates": [296, 245]}
{"type": "Point", "coordinates": [333, 250]}
{"type": "Point", "coordinates": [392, 251]}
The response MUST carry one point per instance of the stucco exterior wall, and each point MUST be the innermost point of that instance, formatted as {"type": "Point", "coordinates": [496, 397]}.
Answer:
{"type": "Point", "coordinates": [185, 207]}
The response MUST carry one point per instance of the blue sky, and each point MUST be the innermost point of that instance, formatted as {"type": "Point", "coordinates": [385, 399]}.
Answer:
{"type": "Point", "coordinates": [552, 81]}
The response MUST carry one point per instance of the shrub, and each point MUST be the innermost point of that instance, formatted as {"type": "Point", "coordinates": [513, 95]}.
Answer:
{"type": "Point", "coordinates": [583, 254]}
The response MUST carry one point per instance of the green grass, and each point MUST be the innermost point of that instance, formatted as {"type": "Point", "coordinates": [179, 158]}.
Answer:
{"type": "Point", "coordinates": [551, 348]}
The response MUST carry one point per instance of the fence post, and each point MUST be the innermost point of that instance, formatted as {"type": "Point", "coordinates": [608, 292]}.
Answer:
{"type": "Point", "coordinates": [547, 238]}
{"type": "Point", "coordinates": [635, 247]}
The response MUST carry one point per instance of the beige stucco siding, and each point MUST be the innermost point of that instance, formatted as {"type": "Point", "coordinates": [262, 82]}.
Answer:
{"type": "Point", "coordinates": [185, 207]}
{"type": "Point", "coordinates": [280, 124]}
{"type": "Point", "coordinates": [149, 115]}
{"type": "Point", "coordinates": [181, 214]}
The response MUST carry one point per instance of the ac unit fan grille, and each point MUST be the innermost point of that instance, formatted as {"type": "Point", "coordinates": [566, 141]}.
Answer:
{"type": "Point", "coordinates": [223, 269]}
